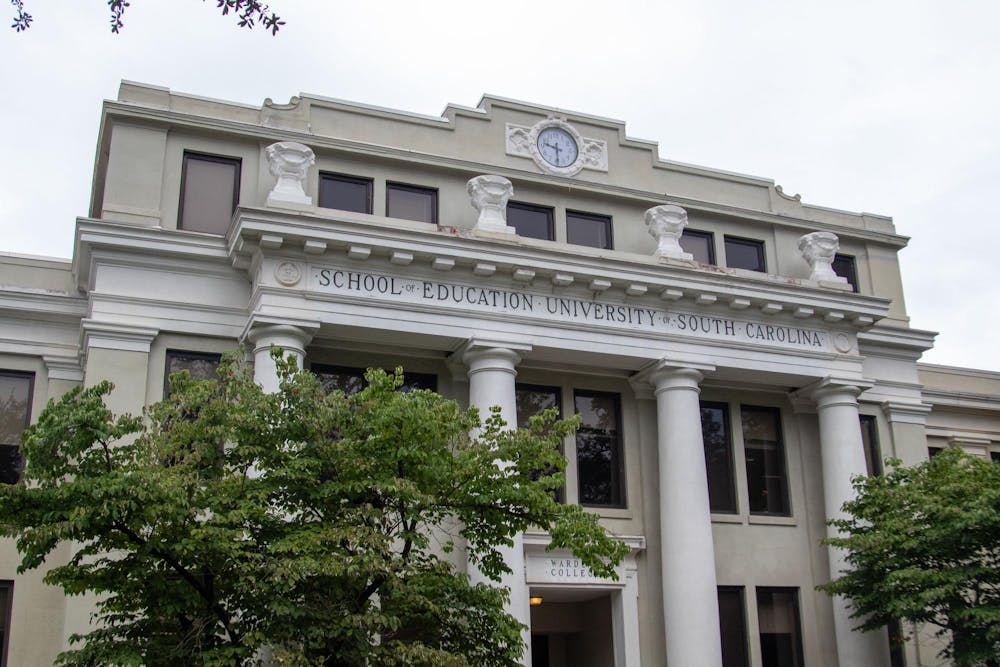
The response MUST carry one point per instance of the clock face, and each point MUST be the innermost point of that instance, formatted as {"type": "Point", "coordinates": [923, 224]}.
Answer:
{"type": "Point", "coordinates": [557, 147]}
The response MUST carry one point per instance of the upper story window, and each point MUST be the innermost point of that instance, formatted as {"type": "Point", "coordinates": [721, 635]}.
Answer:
{"type": "Point", "coordinates": [200, 365]}
{"type": "Point", "coordinates": [345, 193]}
{"type": "Point", "coordinates": [531, 221]}
{"type": "Point", "coordinates": [745, 254]}
{"type": "Point", "coordinates": [210, 190]}
{"type": "Point", "coordinates": [351, 380]}
{"type": "Point", "coordinates": [15, 416]}
{"type": "Point", "coordinates": [845, 267]}
{"type": "Point", "coordinates": [869, 439]}
{"type": "Point", "coordinates": [589, 229]}
{"type": "Point", "coordinates": [699, 244]}
{"type": "Point", "coordinates": [767, 482]}
{"type": "Point", "coordinates": [780, 633]}
{"type": "Point", "coordinates": [600, 464]}
{"type": "Point", "coordinates": [411, 202]}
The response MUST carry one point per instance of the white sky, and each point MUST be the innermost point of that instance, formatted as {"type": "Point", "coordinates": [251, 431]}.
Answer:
{"type": "Point", "coordinates": [890, 107]}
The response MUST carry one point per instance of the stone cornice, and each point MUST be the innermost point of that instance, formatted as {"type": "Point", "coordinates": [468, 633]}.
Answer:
{"type": "Point", "coordinates": [165, 117]}
{"type": "Point", "coordinates": [364, 238]}
{"type": "Point", "coordinates": [885, 340]}
{"type": "Point", "coordinates": [961, 399]}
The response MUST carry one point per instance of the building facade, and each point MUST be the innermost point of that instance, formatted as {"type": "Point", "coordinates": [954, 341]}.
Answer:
{"type": "Point", "coordinates": [735, 355]}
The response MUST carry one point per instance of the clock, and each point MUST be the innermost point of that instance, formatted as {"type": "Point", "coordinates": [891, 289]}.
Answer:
{"type": "Point", "coordinates": [557, 146]}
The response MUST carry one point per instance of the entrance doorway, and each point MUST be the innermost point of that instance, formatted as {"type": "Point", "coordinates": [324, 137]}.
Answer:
{"type": "Point", "coordinates": [571, 627]}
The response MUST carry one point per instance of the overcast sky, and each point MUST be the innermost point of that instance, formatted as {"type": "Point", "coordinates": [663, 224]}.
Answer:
{"type": "Point", "coordinates": [886, 107]}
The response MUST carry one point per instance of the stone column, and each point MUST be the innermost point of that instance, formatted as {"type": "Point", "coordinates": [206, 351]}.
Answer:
{"type": "Point", "coordinates": [843, 457]}
{"type": "Point", "coordinates": [491, 370]}
{"type": "Point", "coordinates": [292, 338]}
{"type": "Point", "coordinates": [690, 590]}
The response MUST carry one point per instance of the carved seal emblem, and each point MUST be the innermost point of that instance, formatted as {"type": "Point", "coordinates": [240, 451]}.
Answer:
{"type": "Point", "coordinates": [287, 273]}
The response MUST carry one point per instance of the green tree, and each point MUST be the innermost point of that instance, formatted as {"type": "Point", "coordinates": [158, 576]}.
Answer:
{"type": "Point", "coordinates": [923, 545]}
{"type": "Point", "coordinates": [318, 528]}
{"type": "Point", "coordinates": [248, 14]}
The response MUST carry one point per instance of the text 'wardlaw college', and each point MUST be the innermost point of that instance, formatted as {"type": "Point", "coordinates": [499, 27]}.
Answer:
{"type": "Point", "coordinates": [562, 308]}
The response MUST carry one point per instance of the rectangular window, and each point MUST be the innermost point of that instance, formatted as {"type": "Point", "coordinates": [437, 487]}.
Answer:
{"type": "Point", "coordinates": [532, 400]}
{"type": "Point", "coordinates": [745, 254]}
{"type": "Point", "coordinates": [6, 599]}
{"type": "Point", "coordinates": [533, 222]}
{"type": "Point", "coordinates": [718, 441]}
{"type": "Point", "coordinates": [15, 416]}
{"type": "Point", "coordinates": [934, 451]}
{"type": "Point", "coordinates": [733, 627]}
{"type": "Point", "coordinates": [352, 380]}
{"type": "Point", "coordinates": [869, 440]}
{"type": "Point", "coordinates": [780, 635]}
{"type": "Point", "coordinates": [699, 244]}
{"type": "Point", "coordinates": [767, 483]}
{"type": "Point", "coordinates": [599, 461]}
{"type": "Point", "coordinates": [589, 229]}
{"type": "Point", "coordinates": [210, 190]}
{"type": "Point", "coordinates": [411, 202]}
{"type": "Point", "coordinates": [201, 366]}
{"type": "Point", "coordinates": [995, 457]}
{"type": "Point", "coordinates": [844, 266]}
{"type": "Point", "coordinates": [345, 193]}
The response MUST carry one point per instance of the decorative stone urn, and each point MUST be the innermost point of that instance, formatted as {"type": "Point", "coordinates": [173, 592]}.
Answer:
{"type": "Point", "coordinates": [489, 195]}
{"type": "Point", "coordinates": [666, 223]}
{"type": "Point", "coordinates": [819, 249]}
{"type": "Point", "coordinates": [289, 162]}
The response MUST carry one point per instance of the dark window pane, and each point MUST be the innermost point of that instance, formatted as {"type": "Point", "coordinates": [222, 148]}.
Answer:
{"type": "Point", "coordinates": [588, 229]}
{"type": "Point", "coordinates": [869, 439]}
{"type": "Point", "coordinates": [201, 366]}
{"type": "Point", "coordinates": [745, 254]}
{"type": "Point", "coordinates": [598, 450]}
{"type": "Point", "coordinates": [844, 266]}
{"type": "Point", "coordinates": [995, 457]}
{"type": "Point", "coordinates": [533, 400]}
{"type": "Point", "coordinates": [934, 451]}
{"type": "Point", "coordinates": [411, 202]}
{"type": "Point", "coordinates": [700, 245]}
{"type": "Point", "coordinates": [346, 193]}
{"type": "Point", "coordinates": [534, 222]}
{"type": "Point", "coordinates": [209, 192]}
{"type": "Point", "coordinates": [765, 457]}
{"type": "Point", "coordinates": [733, 627]}
{"type": "Point", "coordinates": [778, 617]}
{"type": "Point", "coordinates": [352, 380]}
{"type": "Point", "coordinates": [6, 598]}
{"type": "Point", "coordinates": [15, 416]}
{"type": "Point", "coordinates": [717, 439]}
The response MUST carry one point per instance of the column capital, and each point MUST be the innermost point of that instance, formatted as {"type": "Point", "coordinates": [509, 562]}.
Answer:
{"type": "Point", "coordinates": [906, 413]}
{"type": "Point", "coordinates": [664, 375]}
{"type": "Point", "coordinates": [830, 391]}
{"type": "Point", "coordinates": [115, 336]}
{"type": "Point", "coordinates": [283, 332]}
{"type": "Point", "coordinates": [480, 353]}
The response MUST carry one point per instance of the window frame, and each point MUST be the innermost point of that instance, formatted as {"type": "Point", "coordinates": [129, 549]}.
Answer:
{"type": "Point", "coordinates": [708, 236]}
{"type": "Point", "coordinates": [172, 353]}
{"type": "Point", "coordinates": [740, 592]}
{"type": "Point", "coordinates": [786, 482]}
{"type": "Point", "coordinates": [593, 217]}
{"type": "Point", "coordinates": [549, 211]}
{"type": "Point", "coordinates": [852, 262]}
{"type": "Point", "coordinates": [797, 608]}
{"type": "Point", "coordinates": [369, 184]}
{"type": "Point", "coordinates": [7, 611]}
{"type": "Point", "coordinates": [619, 443]}
{"type": "Point", "coordinates": [409, 187]}
{"type": "Point", "coordinates": [30, 377]}
{"type": "Point", "coordinates": [725, 408]}
{"type": "Point", "coordinates": [758, 244]}
{"type": "Point", "coordinates": [873, 450]}
{"type": "Point", "coordinates": [236, 162]}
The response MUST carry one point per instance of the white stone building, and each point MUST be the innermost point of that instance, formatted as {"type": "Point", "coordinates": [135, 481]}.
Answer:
{"type": "Point", "coordinates": [736, 355]}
